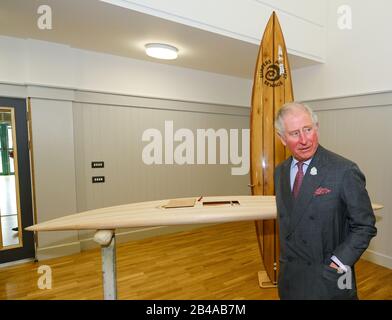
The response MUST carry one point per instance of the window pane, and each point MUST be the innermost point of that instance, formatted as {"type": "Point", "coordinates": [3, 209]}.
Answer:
{"type": "Point", "coordinates": [10, 137]}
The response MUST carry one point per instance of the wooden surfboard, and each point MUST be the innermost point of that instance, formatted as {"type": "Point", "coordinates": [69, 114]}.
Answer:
{"type": "Point", "coordinates": [166, 212]}
{"type": "Point", "coordinates": [272, 88]}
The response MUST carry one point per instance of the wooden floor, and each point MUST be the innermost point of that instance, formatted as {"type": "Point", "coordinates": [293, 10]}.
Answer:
{"type": "Point", "coordinates": [215, 262]}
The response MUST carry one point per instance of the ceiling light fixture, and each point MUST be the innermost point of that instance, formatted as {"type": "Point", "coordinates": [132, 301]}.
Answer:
{"type": "Point", "coordinates": [161, 51]}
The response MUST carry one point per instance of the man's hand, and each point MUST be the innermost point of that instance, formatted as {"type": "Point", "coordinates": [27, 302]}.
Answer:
{"type": "Point", "coordinates": [333, 265]}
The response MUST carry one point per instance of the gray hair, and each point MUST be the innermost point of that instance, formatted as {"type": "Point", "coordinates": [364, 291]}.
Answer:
{"type": "Point", "coordinates": [289, 107]}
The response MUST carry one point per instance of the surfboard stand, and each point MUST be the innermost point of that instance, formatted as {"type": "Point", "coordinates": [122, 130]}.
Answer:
{"type": "Point", "coordinates": [265, 281]}
{"type": "Point", "coordinates": [107, 240]}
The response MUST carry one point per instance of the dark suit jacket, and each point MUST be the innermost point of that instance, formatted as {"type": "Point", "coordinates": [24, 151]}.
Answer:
{"type": "Point", "coordinates": [315, 227]}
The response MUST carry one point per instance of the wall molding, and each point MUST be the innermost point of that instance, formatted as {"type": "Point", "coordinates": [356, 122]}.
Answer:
{"type": "Point", "coordinates": [365, 100]}
{"type": "Point", "coordinates": [66, 249]}
{"type": "Point", "coordinates": [17, 90]}
{"type": "Point", "coordinates": [378, 258]}
{"type": "Point", "coordinates": [157, 103]}
{"type": "Point", "coordinates": [15, 263]}
{"type": "Point", "coordinates": [13, 90]}
{"type": "Point", "coordinates": [118, 99]}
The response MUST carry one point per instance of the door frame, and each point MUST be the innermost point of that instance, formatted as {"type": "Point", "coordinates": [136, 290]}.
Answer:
{"type": "Point", "coordinates": [32, 171]}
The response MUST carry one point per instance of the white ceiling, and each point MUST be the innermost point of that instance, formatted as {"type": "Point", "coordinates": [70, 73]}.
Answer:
{"type": "Point", "coordinates": [99, 26]}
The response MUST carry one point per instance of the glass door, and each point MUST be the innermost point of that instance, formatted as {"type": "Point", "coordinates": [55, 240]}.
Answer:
{"type": "Point", "coordinates": [9, 196]}
{"type": "Point", "coordinates": [15, 182]}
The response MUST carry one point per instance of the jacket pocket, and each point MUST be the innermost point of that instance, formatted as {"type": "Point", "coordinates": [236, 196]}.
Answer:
{"type": "Point", "coordinates": [331, 274]}
{"type": "Point", "coordinates": [331, 281]}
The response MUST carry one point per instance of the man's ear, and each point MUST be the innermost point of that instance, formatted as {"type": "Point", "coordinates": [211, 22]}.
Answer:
{"type": "Point", "coordinates": [282, 139]}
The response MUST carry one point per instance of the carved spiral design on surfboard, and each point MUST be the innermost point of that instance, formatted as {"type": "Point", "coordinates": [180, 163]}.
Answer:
{"type": "Point", "coordinates": [272, 73]}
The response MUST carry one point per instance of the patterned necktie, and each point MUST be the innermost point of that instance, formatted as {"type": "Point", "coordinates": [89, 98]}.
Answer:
{"type": "Point", "coordinates": [298, 179]}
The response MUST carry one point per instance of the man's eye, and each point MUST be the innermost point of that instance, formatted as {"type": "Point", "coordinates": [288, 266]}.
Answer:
{"type": "Point", "coordinates": [294, 134]}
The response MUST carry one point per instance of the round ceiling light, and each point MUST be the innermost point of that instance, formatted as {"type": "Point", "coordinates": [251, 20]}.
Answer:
{"type": "Point", "coordinates": [161, 51]}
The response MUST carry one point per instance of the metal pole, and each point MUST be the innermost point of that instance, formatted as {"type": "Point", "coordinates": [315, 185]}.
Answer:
{"type": "Point", "coordinates": [109, 277]}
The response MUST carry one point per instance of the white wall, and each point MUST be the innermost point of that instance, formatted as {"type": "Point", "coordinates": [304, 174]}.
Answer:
{"type": "Point", "coordinates": [54, 168]}
{"type": "Point", "coordinates": [358, 60]}
{"type": "Point", "coordinates": [122, 75]}
{"type": "Point", "coordinates": [13, 60]}
{"type": "Point", "coordinates": [49, 64]}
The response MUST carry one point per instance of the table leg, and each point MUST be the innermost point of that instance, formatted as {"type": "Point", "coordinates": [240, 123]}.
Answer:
{"type": "Point", "coordinates": [108, 254]}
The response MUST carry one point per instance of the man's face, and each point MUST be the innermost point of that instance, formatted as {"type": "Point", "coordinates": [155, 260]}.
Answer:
{"type": "Point", "coordinates": [300, 135]}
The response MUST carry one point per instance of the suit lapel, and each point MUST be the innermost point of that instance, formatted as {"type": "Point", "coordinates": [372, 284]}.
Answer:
{"type": "Point", "coordinates": [309, 184]}
{"type": "Point", "coordinates": [285, 183]}
{"type": "Point", "coordinates": [286, 198]}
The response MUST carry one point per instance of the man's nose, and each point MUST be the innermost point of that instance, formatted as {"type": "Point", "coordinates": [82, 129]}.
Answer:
{"type": "Point", "coordinates": [302, 138]}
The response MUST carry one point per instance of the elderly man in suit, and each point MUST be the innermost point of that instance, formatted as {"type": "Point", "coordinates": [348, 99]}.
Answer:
{"type": "Point", "coordinates": [325, 215]}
